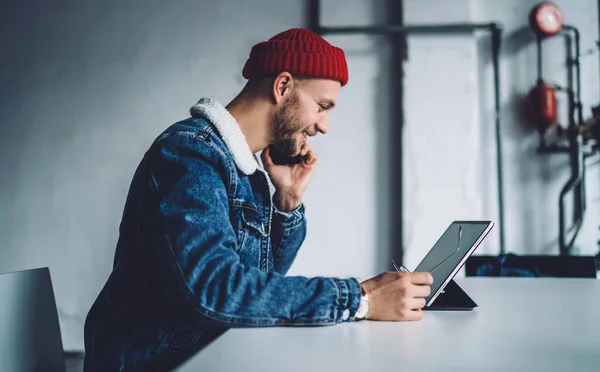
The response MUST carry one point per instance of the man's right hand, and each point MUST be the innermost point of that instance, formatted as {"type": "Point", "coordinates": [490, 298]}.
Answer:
{"type": "Point", "coordinates": [397, 296]}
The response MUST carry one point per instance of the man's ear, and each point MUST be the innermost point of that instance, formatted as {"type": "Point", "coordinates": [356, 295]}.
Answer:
{"type": "Point", "coordinates": [282, 86]}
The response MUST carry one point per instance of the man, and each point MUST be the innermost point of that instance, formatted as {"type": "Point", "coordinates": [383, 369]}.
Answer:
{"type": "Point", "coordinates": [207, 235]}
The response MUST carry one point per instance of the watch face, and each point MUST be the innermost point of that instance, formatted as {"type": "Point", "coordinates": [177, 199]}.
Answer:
{"type": "Point", "coordinates": [363, 307]}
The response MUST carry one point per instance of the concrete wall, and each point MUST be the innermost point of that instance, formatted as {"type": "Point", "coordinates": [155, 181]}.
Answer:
{"type": "Point", "coordinates": [86, 86]}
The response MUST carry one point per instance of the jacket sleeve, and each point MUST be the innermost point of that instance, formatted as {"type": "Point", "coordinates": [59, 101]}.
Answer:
{"type": "Point", "coordinates": [287, 235]}
{"type": "Point", "coordinates": [189, 249]}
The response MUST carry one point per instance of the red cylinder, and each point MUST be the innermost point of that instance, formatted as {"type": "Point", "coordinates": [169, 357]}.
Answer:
{"type": "Point", "coordinates": [546, 19]}
{"type": "Point", "coordinates": [542, 105]}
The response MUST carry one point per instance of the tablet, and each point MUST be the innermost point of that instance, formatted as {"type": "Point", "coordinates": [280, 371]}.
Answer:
{"type": "Point", "coordinates": [451, 251]}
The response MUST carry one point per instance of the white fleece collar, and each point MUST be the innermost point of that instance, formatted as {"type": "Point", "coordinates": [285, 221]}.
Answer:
{"type": "Point", "coordinates": [229, 130]}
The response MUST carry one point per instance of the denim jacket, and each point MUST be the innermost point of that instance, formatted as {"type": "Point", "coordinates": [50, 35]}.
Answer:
{"type": "Point", "coordinates": [201, 249]}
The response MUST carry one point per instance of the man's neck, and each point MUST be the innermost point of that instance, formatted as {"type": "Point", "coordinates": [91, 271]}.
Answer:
{"type": "Point", "coordinates": [252, 115]}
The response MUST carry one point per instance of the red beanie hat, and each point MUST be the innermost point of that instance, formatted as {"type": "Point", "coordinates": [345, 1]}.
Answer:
{"type": "Point", "coordinates": [300, 52]}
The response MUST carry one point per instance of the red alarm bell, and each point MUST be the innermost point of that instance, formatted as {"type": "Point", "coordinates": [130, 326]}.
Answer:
{"type": "Point", "coordinates": [542, 105]}
{"type": "Point", "coordinates": [546, 19]}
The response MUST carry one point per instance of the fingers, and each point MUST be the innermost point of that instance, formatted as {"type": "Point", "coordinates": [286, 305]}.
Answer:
{"type": "Point", "coordinates": [266, 158]}
{"type": "Point", "coordinates": [310, 158]}
{"type": "Point", "coordinates": [411, 312]}
{"type": "Point", "coordinates": [398, 296]}
{"type": "Point", "coordinates": [308, 154]}
{"type": "Point", "coordinates": [306, 148]}
{"type": "Point", "coordinates": [414, 292]}
{"type": "Point", "coordinates": [421, 278]}
{"type": "Point", "coordinates": [421, 291]}
{"type": "Point", "coordinates": [414, 315]}
{"type": "Point", "coordinates": [417, 303]}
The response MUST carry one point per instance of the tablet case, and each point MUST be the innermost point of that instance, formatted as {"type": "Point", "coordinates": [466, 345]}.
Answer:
{"type": "Point", "coordinates": [453, 297]}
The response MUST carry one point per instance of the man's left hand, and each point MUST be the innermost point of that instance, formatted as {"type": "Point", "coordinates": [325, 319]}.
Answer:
{"type": "Point", "coordinates": [290, 181]}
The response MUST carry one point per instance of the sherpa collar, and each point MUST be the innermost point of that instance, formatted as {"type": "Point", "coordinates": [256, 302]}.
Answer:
{"type": "Point", "coordinates": [229, 130]}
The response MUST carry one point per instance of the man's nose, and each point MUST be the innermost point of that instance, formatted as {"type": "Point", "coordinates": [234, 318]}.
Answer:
{"type": "Point", "coordinates": [323, 126]}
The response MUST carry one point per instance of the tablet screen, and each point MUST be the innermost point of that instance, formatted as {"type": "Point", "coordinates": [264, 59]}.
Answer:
{"type": "Point", "coordinates": [451, 250]}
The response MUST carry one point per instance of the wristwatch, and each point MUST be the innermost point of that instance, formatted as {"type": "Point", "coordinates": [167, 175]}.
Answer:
{"type": "Point", "coordinates": [364, 306]}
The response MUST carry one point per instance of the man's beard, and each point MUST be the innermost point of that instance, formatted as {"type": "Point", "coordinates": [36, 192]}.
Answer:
{"type": "Point", "coordinates": [285, 125]}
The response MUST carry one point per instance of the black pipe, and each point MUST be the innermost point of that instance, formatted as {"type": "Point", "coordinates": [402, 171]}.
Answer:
{"type": "Point", "coordinates": [496, 31]}
{"type": "Point", "coordinates": [581, 204]}
{"type": "Point", "coordinates": [576, 155]}
{"type": "Point", "coordinates": [394, 18]}
{"type": "Point", "coordinates": [582, 189]}
{"type": "Point", "coordinates": [572, 148]}
{"type": "Point", "coordinates": [313, 12]}
{"type": "Point", "coordinates": [598, 255]}
{"type": "Point", "coordinates": [398, 49]}
{"type": "Point", "coordinates": [413, 29]}
{"type": "Point", "coordinates": [570, 89]}
{"type": "Point", "coordinates": [543, 147]}
{"type": "Point", "coordinates": [576, 182]}
{"type": "Point", "coordinates": [538, 40]}
{"type": "Point", "coordinates": [496, 38]}
{"type": "Point", "coordinates": [575, 61]}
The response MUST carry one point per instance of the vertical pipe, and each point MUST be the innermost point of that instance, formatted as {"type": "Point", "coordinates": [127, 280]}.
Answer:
{"type": "Point", "coordinates": [540, 77]}
{"type": "Point", "coordinates": [397, 56]}
{"type": "Point", "coordinates": [496, 38]}
{"type": "Point", "coordinates": [580, 191]}
{"type": "Point", "coordinates": [570, 80]}
{"type": "Point", "coordinates": [576, 159]}
{"type": "Point", "coordinates": [571, 133]}
{"type": "Point", "coordinates": [578, 75]}
{"type": "Point", "coordinates": [313, 12]}
{"type": "Point", "coordinates": [598, 255]}
{"type": "Point", "coordinates": [539, 58]}
{"type": "Point", "coordinates": [561, 225]}
{"type": "Point", "coordinates": [575, 183]}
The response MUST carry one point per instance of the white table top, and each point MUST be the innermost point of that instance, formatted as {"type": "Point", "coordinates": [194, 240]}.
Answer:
{"type": "Point", "coordinates": [521, 324]}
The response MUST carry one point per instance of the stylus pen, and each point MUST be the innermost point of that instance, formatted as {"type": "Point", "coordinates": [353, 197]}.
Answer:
{"type": "Point", "coordinates": [401, 268]}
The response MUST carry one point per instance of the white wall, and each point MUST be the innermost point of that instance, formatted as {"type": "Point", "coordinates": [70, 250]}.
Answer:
{"type": "Point", "coordinates": [86, 86]}
{"type": "Point", "coordinates": [449, 109]}
{"type": "Point", "coordinates": [441, 143]}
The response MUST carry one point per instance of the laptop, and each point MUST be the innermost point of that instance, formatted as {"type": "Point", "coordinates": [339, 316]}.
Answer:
{"type": "Point", "coordinates": [30, 338]}
{"type": "Point", "coordinates": [446, 258]}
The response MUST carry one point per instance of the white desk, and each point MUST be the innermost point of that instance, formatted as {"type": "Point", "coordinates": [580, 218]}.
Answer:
{"type": "Point", "coordinates": [521, 324]}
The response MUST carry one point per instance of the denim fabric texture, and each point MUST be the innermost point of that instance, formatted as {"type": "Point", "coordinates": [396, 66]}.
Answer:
{"type": "Point", "coordinates": [202, 249]}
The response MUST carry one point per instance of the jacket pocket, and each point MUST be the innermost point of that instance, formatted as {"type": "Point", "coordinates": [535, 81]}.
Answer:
{"type": "Point", "coordinates": [250, 229]}
{"type": "Point", "coordinates": [251, 219]}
